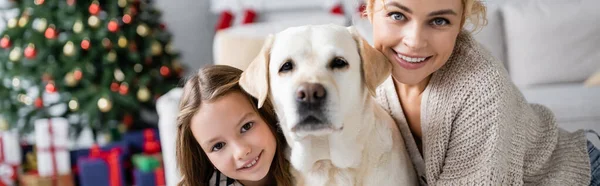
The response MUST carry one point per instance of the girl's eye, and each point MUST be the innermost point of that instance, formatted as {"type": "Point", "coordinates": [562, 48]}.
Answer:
{"type": "Point", "coordinates": [440, 22]}
{"type": "Point", "coordinates": [397, 16]}
{"type": "Point", "coordinates": [247, 126]}
{"type": "Point", "coordinates": [218, 146]}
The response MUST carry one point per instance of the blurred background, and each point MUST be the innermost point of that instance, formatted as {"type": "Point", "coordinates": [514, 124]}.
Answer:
{"type": "Point", "coordinates": [89, 89]}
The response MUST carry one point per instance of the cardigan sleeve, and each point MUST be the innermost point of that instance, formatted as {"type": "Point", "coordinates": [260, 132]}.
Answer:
{"type": "Point", "coordinates": [479, 149]}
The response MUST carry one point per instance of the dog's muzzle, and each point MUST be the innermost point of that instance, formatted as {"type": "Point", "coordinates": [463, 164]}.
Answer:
{"type": "Point", "coordinates": [311, 99]}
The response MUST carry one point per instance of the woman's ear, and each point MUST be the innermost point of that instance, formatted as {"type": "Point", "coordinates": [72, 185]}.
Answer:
{"type": "Point", "coordinates": [255, 79]}
{"type": "Point", "coordinates": [376, 68]}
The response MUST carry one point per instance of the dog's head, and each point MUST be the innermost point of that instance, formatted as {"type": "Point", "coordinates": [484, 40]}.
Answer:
{"type": "Point", "coordinates": [316, 76]}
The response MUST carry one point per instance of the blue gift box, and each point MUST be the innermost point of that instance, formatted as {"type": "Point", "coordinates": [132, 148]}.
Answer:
{"type": "Point", "coordinates": [95, 171]}
{"type": "Point", "coordinates": [135, 140]}
{"type": "Point", "coordinates": [144, 178]}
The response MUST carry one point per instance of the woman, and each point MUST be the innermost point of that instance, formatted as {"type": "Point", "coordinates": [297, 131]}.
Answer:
{"type": "Point", "coordinates": [464, 121]}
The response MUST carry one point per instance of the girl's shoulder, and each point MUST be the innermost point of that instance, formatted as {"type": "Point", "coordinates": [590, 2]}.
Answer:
{"type": "Point", "coordinates": [219, 179]}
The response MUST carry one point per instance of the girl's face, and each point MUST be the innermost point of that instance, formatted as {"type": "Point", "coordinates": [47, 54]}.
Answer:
{"type": "Point", "coordinates": [235, 138]}
{"type": "Point", "coordinates": [417, 36]}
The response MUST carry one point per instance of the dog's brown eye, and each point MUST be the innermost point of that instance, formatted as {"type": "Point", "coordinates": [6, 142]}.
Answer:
{"type": "Point", "coordinates": [287, 66]}
{"type": "Point", "coordinates": [338, 63]}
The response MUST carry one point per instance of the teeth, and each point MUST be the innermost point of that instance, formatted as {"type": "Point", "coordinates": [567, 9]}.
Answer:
{"type": "Point", "coordinates": [412, 60]}
{"type": "Point", "coordinates": [252, 163]}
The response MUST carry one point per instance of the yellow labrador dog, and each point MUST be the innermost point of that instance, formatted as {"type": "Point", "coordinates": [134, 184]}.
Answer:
{"type": "Point", "coordinates": [321, 80]}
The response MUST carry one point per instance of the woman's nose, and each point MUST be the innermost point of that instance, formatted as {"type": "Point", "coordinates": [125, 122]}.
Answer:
{"type": "Point", "coordinates": [414, 37]}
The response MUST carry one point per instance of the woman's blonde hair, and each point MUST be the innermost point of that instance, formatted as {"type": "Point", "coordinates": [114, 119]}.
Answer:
{"type": "Point", "coordinates": [207, 85]}
{"type": "Point", "coordinates": [474, 11]}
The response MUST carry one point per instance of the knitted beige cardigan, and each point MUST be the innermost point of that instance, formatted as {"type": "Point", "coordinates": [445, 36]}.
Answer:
{"type": "Point", "coordinates": [478, 129]}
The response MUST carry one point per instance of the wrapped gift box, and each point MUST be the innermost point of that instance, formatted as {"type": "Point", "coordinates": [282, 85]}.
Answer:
{"type": "Point", "coordinates": [102, 168]}
{"type": "Point", "coordinates": [51, 137]}
{"type": "Point", "coordinates": [10, 157]}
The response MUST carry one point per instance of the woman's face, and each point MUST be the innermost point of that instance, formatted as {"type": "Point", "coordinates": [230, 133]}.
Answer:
{"type": "Point", "coordinates": [417, 36]}
{"type": "Point", "coordinates": [235, 138]}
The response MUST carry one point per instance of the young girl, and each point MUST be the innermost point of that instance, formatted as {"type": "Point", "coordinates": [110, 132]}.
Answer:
{"type": "Point", "coordinates": [223, 139]}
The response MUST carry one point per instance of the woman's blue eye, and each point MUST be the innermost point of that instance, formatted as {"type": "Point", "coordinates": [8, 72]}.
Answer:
{"type": "Point", "coordinates": [247, 127]}
{"type": "Point", "coordinates": [440, 22]}
{"type": "Point", "coordinates": [396, 16]}
{"type": "Point", "coordinates": [218, 146]}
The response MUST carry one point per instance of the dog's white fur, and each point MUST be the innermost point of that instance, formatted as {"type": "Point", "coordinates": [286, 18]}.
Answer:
{"type": "Point", "coordinates": [363, 145]}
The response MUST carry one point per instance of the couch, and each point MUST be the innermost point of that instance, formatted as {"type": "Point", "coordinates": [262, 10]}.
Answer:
{"type": "Point", "coordinates": [551, 49]}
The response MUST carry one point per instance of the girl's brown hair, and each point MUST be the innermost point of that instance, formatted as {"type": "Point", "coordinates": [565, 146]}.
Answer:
{"type": "Point", "coordinates": [474, 11]}
{"type": "Point", "coordinates": [207, 85]}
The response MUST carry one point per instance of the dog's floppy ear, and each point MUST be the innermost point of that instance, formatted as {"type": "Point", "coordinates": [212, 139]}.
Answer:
{"type": "Point", "coordinates": [375, 66]}
{"type": "Point", "coordinates": [255, 79]}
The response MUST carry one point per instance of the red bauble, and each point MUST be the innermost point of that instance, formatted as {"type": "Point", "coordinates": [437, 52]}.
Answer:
{"type": "Point", "coordinates": [126, 19]}
{"type": "Point", "coordinates": [50, 33]}
{"type": "Point", "coordinates": [114, 87]}
{"type": "Point", "coordinates": [165, 71]}
{"type": "Point", "coordinates": [128, 120]}
{"type": "Point", "coordinates": [30, 52]}
{"type": "Point", "coordinates": [123, 89]}
{"type": "Point", "coordinates": [78, 75]}
{"type": "Point", "coordinates": [94, 8]}
{"type": "Point", "coordinates": [70, 2]}
{"type": "Point", "coordinates": [85, 44]}
{"type": "Point", "coordinates": [38, 103]}
{"type": "Point", "coordinates": [50, 88]}
{"type": "Point", "coordinates": [113, 26]}
{"type": "Point", "coordinates": [5, 42]}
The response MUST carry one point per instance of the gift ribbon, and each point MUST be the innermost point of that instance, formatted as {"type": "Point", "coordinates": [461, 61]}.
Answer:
{"type": "Point", "coordinates": [159, 175]}
{"type": "Point", "coordinates": [112, 159]}
{"type": "Point", "coordinates": [8, 172]}
{"type": "Point", "coordinates": [52, 149]}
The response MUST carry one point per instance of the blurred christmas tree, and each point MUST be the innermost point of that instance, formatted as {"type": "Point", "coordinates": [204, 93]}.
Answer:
{"type": "Point", "coordinates": [98, 63]}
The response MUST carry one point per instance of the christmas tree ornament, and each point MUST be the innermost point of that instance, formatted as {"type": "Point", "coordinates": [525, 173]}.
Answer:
{"type": "Point", "coordinates": [78, 27]}
{"type": "Point", "coordinates": [128, 120]}
{"type": "Point", "coordinates": [122, 42]}
{"type": "Point", "coordinates": [50, 87]}
{"type": "Point", "coordinates": [142, 30]}
{"type": "Point", "coordinates": [126, 18]}
{"type": "Point", "coordinates": [165, 71]}
{"type": "Point", "coordinates": [94, 21]}
{"type": "Point", "coordinates": [12, 23]}
{"type": "Point", "coordinates": [169, 48]}
{"type": "Point", "coordinates": [114, 86]}
{"type": "Point", "coordinates": [122, 3]}
{"type": "Point", "coordinates": [23, 21]}
{"type": "Point", "coordinates": [70, 79]}
{"type": "Point", "coordinates": [106, 43]}
{"type": "Point", "coordinates": [30, 51]}
{"type": "Point", "coordinates": [113, 26]}
{"type": "Point", "coordinates": [3, 124]}
{"type": "Point", "coordinates": [38, 103]}
{"type": "Point", "coordinates": [94, 8]}
{"type": "Point", "coordinates": [50, 32]}
{"type": "Point", "coordinates": [70, 2]}
{"type": "Point", "coordinates": [156, 48]}
{"type": "Point", "coordinates": [5, 42]}
{"type": "Point", "coordinates": [119, 75]}
{"type": "Point", "coordinates": [104, 104]}
{"type": "Point", "coordinates": [85, 44]}
{"type": "Point", "coordinates": [73, 105]}
{"type": "Point", "coordinates": [69, 49]}
{"type": "Point", "coordinates": [111, 56]}
{"type": "Point", "coordinates": [138, 67]}
{"type": "Point", "coordinates": [38, 2]}
{"type": "Point", "coordinates": [124, 88]}
{"type": "Point", "coordinates": [77, 74]}
{"type": "Point", "coordinates": [40, 24]}
{"type": "Point", "coordinates": [15, 54]}
{"type": "Point", "coordinates": [16, 82]}
{"type": "Point", "coordinates": [143, 94]}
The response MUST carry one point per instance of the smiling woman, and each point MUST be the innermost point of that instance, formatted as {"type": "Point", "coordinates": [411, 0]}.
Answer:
{"type": "Point", "coordinates": [463, 120]}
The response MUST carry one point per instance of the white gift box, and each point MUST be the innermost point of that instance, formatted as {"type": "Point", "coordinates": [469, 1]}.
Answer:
{"type": "Point", "coordinates": [11, 150]}
{"type": "Point", "coordinates": [51, 138]}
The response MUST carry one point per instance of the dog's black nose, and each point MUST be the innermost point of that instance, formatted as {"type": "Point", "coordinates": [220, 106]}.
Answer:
{"type": "Point", "coordinates": [310, 93]}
